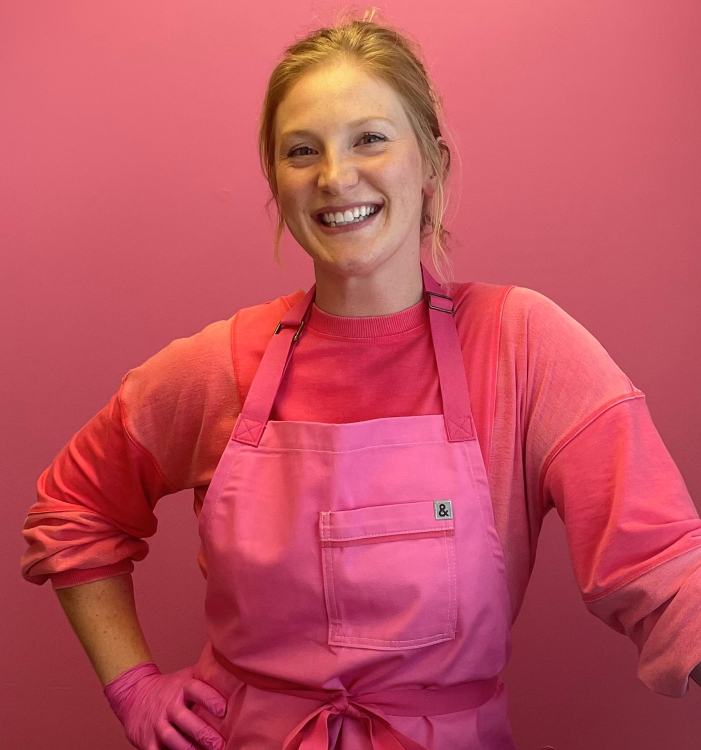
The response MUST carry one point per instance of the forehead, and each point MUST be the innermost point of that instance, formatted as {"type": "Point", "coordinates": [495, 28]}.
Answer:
{"type": "Point", "coordinates": [336, 96]}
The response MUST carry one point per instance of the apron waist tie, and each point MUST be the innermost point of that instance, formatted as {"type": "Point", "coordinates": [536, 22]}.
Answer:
{"type": "Point", "coordinates": [370, 708]}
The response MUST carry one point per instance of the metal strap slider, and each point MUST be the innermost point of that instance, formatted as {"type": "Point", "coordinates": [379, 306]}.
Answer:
{"type": "Point", "coordinates": [443, 309]}
{"type": "Point", "coordinates": [296, 336]}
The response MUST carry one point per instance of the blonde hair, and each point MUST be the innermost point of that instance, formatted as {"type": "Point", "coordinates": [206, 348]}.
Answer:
{"type": "Point", "coordinates": [385, 54]}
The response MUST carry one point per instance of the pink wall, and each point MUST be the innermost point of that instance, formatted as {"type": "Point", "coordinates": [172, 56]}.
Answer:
{"type": "Point", "coordinates": [132, 213]}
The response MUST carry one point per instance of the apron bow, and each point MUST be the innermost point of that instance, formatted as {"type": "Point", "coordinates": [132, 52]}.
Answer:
{"type": "Point", "coordinates": [312, 732]}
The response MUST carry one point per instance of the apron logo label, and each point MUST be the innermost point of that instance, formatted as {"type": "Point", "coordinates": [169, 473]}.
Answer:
{"type": "Point", "coordinates": [442, 509]}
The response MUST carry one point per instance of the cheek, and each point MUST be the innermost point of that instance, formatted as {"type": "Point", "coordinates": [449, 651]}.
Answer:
{"type": "Point", "coordinates": [290, 192]}
{"type": "Point", "coordinates": [286, 198]}
{"type": "Point", "coordinates": [405, 175]}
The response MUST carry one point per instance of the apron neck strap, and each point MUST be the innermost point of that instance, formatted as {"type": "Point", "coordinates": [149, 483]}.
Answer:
{"type": "Point", "coordinates": [457, 410]}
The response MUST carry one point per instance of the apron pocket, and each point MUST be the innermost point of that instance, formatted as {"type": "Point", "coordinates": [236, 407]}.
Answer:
{"type": "Point", "coordinates": [389, 574]}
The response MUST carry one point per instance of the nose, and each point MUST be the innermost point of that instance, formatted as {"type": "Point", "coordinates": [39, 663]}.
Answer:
{"type": "Point", "coordinates": [337, 174]}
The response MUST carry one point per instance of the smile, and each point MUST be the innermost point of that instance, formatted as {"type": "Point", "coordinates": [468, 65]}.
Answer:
{"type": "Point", "coordinates": [354, 224]}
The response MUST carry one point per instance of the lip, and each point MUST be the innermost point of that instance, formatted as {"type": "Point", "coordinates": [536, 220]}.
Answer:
{"type": "Point", "coordinates": [341, 209]}
{"type": "Point", "coordinates": [351, 227]}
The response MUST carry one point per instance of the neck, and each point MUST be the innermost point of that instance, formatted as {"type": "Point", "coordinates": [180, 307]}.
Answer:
{"type": "Point", "coordinates": [383, 290]}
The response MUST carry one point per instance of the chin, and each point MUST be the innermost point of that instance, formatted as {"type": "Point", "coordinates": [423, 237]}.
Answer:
{"type": "Point", "coordinates": [351, 263]}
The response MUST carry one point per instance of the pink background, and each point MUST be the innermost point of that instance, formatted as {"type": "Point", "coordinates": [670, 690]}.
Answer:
{"type": "Point", "coordinates": [132, 213]}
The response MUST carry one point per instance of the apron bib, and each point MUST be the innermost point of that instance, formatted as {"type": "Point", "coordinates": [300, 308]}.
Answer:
{"type": "Point", "coordinates": [356, 592]}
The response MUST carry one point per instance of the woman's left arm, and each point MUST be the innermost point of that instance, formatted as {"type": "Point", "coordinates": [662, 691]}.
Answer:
{"type": "Point", "coordinates": [592, 451]}
{"type": "Point", "coordinates": [634, 536]}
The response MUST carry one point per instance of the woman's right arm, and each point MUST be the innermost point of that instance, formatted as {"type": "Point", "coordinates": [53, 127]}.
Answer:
{"type": "Point", "coordinates": [103, 616]}
{"type": "Point", "coordinates": [154, 709]}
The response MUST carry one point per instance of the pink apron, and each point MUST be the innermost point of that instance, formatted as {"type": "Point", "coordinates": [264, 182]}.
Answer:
{"type": "Point", "coordinates": [356, 591]}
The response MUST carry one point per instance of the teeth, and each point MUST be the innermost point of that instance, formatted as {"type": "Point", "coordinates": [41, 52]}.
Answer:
{"type": "Point", "coordinates": [349, 216]}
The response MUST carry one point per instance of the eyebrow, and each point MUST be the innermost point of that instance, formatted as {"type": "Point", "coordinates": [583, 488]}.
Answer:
{"type": "Point", "coordinates": [354, 124]}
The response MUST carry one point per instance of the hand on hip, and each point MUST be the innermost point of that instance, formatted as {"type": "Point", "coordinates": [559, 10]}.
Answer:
{"type": "Point", "coordinates": [154, 709]}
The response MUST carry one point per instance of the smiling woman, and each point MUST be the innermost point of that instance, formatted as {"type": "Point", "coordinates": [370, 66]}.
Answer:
{"type": "Point", "coordinates": [355, 599]}
{"type": "Point", "coordinates": [346, 172]}
{"type": "Point", "coordinates": [351, 146]}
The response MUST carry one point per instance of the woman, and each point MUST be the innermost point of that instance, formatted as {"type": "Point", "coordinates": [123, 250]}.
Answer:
{"type": "Point", "coordinates": [364, 565]}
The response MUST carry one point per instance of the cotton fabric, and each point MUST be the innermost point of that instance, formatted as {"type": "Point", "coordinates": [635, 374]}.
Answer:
{"type": "Point", "coordinates": [560, 425]}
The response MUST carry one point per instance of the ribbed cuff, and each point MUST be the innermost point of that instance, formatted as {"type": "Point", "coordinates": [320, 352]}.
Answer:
{"type": "Point", "coordinates": [74, 577]}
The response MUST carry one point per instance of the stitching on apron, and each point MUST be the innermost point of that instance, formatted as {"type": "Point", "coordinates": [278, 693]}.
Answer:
{"type": "Point", "coordinates": [387, 640]}
{"type": "Point", "coordinates": [438, 531]}
{"type": "Point", "coordinates": [484, 522]}
{"type": "Point", "coordinates": [452, 607]}
{"type": "Point", "coordinates": [336, 621]}
{"type": "Point", "coordinates": [350, 450]}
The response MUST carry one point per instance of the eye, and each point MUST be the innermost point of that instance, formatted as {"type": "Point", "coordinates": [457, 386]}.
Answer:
{"type": "Point", "coordinates": [374, 135]}
{"type": "Point", "coordinates": [365, 135]}
{"type": "Point", "coordinates": [299, 148]}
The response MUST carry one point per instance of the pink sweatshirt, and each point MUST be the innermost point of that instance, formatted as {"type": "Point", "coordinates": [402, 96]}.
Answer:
{"type": "Point", "coordinates": [559, 425]}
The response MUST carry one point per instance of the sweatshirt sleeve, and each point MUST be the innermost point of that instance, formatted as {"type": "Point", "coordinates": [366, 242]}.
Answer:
{"type": "Point", "coordinates": [94, 505]}
{"type": "Point", "coordinates": [162, 432]}
{"type": "Point", "coordinates": [592, 452]}
{"type": "Point", "coordinates": [634, 537]}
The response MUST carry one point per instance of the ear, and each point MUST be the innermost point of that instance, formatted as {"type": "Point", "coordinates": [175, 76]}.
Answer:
{"type": "Point", "coordinates": [430, 176]}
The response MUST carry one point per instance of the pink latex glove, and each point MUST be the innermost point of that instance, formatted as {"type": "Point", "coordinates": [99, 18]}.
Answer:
{"type": "Point", "coordinates": [154, 708]}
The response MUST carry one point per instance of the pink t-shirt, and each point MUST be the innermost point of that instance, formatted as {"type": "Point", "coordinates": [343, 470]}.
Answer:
{"type": "Point", "coordinates": [559, 425]}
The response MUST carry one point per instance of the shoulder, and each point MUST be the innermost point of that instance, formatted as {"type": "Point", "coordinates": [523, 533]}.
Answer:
{"type": "Point", "coordinates": [515, 306]}
{"type": "Point", "coordinates": [182, 365]}
{"type": "Point", "coordinates": [479, 308]}
{"type": "Point", "coordinates": [194, 358]}
{"type": "Point", "coordinates": [542, 349]}
{"type": "Point", "coordinates": [190, 388]}
{"type": "Point", "coordinates": [253, 326]}
{"type": "Point", "coordinates": [193, 372]}
{"type": "Point", "coordinates": [555, 339]}
{"type": "Point", "coordinates": [560, 370]}
{"type": "Point", "coordinates": [258, 316]}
